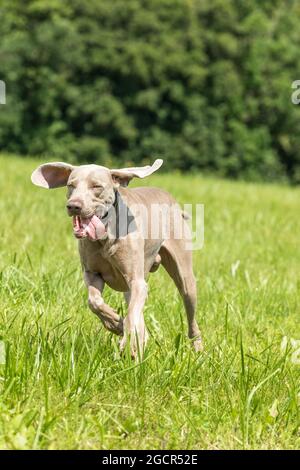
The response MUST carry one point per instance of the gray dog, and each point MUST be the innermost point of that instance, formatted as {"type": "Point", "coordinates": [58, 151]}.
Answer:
{"type": "Point", "coordinates": [123, 236]}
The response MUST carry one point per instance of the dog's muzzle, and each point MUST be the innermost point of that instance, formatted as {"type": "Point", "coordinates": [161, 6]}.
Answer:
{"type": "Point", "coordinates": [92, 228]}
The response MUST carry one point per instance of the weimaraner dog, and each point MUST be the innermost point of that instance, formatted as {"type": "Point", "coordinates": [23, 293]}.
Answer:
{"type": "Point", "coordinates": [113, 223]}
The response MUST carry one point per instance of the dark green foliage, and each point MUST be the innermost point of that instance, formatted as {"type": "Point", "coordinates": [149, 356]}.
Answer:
{"type": "Point", "coordinates": [205, 84]}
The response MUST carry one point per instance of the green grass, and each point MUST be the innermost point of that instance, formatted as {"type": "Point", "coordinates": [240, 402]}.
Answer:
{"type": "Point", "coordinates": [63, 385]}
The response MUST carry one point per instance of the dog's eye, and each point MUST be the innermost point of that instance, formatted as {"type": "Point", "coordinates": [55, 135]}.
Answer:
{"type": "Point", "coordinates": [70, 186]}
{"type": "Point", "coordinates": [97, 186]}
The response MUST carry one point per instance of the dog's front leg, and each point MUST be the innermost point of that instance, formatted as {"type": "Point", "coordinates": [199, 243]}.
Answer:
{"type": "Point", "coordinates": [134, 325]}
{"type": "Point", "coordinates": [110, 319]}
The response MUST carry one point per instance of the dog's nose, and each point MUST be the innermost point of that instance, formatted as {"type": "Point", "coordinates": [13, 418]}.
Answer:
{"type": "Point", "coordinates": [74, 207]}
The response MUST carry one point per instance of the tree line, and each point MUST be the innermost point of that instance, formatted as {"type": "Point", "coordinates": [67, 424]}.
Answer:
{"type": "Point", "coordinates": [204, 84]}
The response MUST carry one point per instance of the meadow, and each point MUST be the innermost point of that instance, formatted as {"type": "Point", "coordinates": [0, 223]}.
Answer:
{"type": "Point", "coordinates": [63, 384]}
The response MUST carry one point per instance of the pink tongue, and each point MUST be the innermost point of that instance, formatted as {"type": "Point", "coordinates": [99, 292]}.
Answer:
{"type": "Point", "coordinates": [92, 228]}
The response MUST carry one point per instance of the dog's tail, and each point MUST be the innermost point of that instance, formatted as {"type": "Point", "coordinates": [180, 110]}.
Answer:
{"type": "Point", "coordinates": [185, 215]}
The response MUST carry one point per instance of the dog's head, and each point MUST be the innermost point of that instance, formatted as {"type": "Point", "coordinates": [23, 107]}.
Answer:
{"type": "Point", "coordinates": [91, 191]}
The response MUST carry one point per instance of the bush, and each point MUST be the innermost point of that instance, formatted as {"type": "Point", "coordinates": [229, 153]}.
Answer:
{"type": "Point", "coordinates": [204, 84]}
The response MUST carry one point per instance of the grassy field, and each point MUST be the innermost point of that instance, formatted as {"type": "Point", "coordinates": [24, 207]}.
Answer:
{"type": "Point", "coordinates": [62, 383]}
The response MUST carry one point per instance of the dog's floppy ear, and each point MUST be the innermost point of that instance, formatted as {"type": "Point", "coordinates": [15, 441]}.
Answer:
{"type": "Point", "coordinates": [124, 175]}
{"type": "Point", "coordinates": [52, 175]}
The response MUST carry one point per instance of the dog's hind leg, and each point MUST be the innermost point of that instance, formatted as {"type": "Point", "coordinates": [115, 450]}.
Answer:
{"type": "Point", "coordinates": [110, 319]}
{"type": "Point", "coordinates": [178, 263]}
{"type": "Point", "coordinates": [156, 264]}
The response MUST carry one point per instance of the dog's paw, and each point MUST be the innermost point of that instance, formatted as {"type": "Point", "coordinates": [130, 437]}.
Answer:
{"type": "Point", "coordinates": [125, 345]}
{"type": "Point", "coordinates": [136, 344]}
{"type": "Point", "coordinates": [198, 345]}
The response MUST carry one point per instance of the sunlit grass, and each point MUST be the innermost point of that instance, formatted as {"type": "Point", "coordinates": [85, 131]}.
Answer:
{"type": "Point", "coordinates": [64, 386]}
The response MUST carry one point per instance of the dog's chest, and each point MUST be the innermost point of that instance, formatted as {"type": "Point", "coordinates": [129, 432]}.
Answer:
{"type": "Point", "coordinates": [97, 258]}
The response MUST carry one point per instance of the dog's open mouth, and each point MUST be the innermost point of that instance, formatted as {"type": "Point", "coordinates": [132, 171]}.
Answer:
{"type": "Point", "coordinates": [92, 228]}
